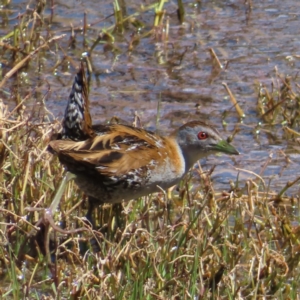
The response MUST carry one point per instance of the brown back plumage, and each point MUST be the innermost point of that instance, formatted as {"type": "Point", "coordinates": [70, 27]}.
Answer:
{"type": "Point", "coordinates": [118, 150]}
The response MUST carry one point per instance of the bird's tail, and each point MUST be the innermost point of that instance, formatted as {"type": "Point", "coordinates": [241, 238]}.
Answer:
{"type": "Point", "coordinates": [77, 123]}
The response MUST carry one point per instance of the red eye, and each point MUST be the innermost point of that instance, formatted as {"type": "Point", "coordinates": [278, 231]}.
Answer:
{"type": "Point", "coordinates": [202, 135]}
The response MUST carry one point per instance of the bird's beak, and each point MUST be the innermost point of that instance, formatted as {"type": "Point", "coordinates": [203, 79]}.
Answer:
{"type": "Point", "coordinates": [225, 147]}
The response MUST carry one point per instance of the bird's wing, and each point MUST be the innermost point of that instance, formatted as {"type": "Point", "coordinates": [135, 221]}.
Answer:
{"type": "Point", "coordinates": [117, 151]}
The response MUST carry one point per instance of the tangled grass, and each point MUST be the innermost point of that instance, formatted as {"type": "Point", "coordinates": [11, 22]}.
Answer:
{"type": "Point", "coordinates": [189, 243]}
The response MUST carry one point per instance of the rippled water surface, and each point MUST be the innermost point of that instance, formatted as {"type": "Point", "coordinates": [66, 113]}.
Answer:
{"type": "Point", "coordinates": [253, 46]}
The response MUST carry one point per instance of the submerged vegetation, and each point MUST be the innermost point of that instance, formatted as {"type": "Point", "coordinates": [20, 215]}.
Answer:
{"type": "Point", "coordinates": [193, 242]}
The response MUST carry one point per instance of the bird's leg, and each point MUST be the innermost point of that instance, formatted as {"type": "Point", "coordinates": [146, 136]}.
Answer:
{"type": "Point", "coordinates": [109, 219]}
{"type": "Point", "coordinates": [94, 242]}
{"type": "Point", "coordinates": [89, 214]}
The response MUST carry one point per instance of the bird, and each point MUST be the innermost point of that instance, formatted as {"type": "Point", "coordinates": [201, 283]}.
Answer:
{"type": "Point", "coordinates": [122, 162]}
{"type": "Point", "coordinates": [113, 163]}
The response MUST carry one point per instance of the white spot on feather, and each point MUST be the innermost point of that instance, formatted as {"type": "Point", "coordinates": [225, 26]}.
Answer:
{"type": "Point", "coordinates": [133, 147]}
